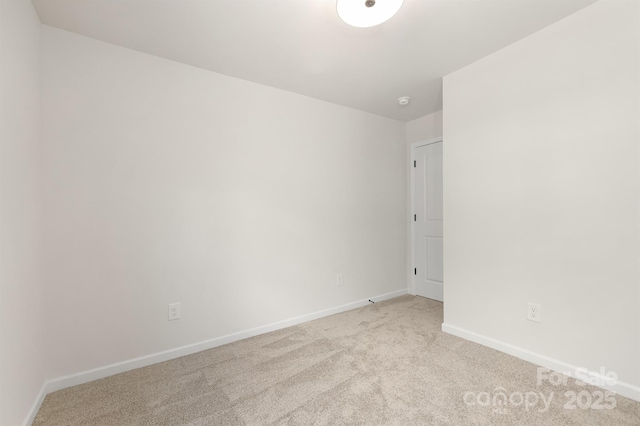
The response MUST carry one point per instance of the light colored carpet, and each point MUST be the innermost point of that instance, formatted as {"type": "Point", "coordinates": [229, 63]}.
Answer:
{"type": "Point", "coordinates": [384, 364]}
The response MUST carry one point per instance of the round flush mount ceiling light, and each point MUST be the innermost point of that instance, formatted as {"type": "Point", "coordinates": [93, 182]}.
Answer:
{"type": "Point", "coordinates": [404, 101]}
{"type": "Point", "coordinates": [367, 13]}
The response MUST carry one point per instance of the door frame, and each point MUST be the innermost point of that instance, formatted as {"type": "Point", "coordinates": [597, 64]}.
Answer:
{"type": "Point", "coordinates": [412, 201]}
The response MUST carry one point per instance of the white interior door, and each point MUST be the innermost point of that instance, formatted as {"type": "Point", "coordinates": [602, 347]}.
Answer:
{"type": "Point", "coordinates": [427, 238]}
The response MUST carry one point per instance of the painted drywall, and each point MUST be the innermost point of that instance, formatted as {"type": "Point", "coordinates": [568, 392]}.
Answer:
{"type": "Point", "coordinates": [424, 128]}
{"type": "Point", "coordinates": [421, 129]}
{"type": "Point", "coordinates": [541, 186]}
{"type": "Point", "coordinates": [167, 183]}
{"type": "Point", "coordinates": [22, 354]}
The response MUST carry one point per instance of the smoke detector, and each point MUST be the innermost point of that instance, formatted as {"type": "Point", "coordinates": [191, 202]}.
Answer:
{"type": "Point", "coordinates": [404, 101]}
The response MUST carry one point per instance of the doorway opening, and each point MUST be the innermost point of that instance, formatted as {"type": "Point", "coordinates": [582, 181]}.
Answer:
{"type": "Point", "coordinates": [427, 219]}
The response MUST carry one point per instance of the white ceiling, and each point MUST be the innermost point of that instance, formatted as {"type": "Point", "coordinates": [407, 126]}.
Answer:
{"type": "Point", "coordinates": [302, 46]}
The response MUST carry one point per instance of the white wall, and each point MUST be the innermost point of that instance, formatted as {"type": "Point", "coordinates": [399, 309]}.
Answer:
{"type": "Point", "coordinates": [22, 355]}
{"type": "Point", "coordinates": [541, 192]}
{"type": "Point", "coordinates": [426, 127]}
{"type": "Point", "coordinates": [167, 183]}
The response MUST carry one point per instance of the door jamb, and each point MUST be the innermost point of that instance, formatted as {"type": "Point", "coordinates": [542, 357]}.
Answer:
{"type": "Point", "coordinates": [414, 146]}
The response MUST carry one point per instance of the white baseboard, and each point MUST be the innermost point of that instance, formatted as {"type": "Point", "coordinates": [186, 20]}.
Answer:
{"type": "Point", "coordinates": [621, 388]}
{"type": "Point", "coordinates": [144, 361]}
{"type": "Point", "coordinates": [31, 416]}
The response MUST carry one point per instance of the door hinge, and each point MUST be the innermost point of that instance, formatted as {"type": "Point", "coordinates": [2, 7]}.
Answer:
{"type": "Point", "coordinates": [414, 163]}
{"type": "Point", "coordinates": [414, 218]}
{"type": "Point", "coordinates": [415, 271]}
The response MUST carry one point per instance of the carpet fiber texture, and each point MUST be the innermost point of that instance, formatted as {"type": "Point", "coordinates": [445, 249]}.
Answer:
{"type": "Point", "coordinates": [384, 364]}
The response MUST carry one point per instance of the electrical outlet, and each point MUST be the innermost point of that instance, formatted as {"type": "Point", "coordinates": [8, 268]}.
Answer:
{"type": "Point", "coordinates": [174, 311]}
{"type": "Point", "coordinates": [533, 312]}
{"type": "Point", "coordinates": [340, 279]}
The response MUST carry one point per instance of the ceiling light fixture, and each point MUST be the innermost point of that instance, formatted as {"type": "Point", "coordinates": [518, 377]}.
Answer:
{"type": "Point", "coordinates": [367, 13]}
{"type": "Point", "coordinates": [404, 101]}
